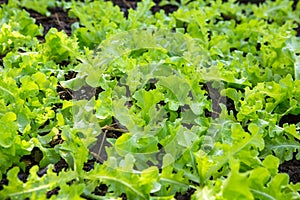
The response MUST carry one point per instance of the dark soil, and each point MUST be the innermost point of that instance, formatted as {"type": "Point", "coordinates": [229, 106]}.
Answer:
{"type": "Point", "coordinates": [101, 190]}
{"type": "Point", "coordinates": [289, 119]}
{"type": "Point", "coordinates": [186, 195]}
{"type": "Point", "coordinates": [3, 1]}
{"type": "Point", "coordinates": [3, 181]}
{"type": "Point", "coordinates": [1, 61]}
{"type": "Point", "coordinates": [257, 2]}
{"type": "Point", "coordinates": [59, 19]}
{"type": "Point", "coordinates": [297, 29]}
{"type": "Point", "coordinates": [166, 8]}
{"type": "Point", "coordinates": [217, 99]}
{"type": "Point", "coordinates": [125, 5]}
{"type": "Point", "coordinates": [292, 168]}
{"type": "Point", "coordinates": [60, 165]}
{"type": "Point", "coordinates": [52, 192]}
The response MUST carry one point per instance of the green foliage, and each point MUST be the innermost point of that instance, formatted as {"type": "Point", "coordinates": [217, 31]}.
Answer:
{"type": "Point", "coordinates": [263, 182]}
{"type": "Point", "coordinates": [35, 186]}
{"type": "Point", "coordinates": [17, 30]}
{"type": "Point", "coordinates": [97, 19]}
{"type": "Point", "coordinates": [59, 47]}
{"type": "Point", "coordinates": [157, 103]}
{"type": "Point", "coordinates": [39, 6]}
